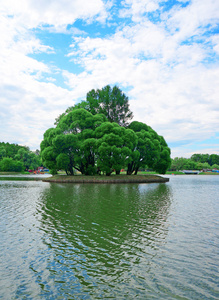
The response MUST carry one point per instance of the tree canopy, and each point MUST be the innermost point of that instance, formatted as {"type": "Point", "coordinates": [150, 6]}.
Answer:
{"type": "Point", "coordinates": [17, 158]}
{"type": "Point", "coordinates": [111, 102]}
{"type": "Point", "coordinates": [151, 150]}
{"type": "Point", "coordinates": [197, 162]}
{"type": "Point", "coordinates": [95, 137]}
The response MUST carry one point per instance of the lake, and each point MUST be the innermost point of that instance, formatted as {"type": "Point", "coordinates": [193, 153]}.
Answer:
{"type": "Point", "coordinates": [116, 241]}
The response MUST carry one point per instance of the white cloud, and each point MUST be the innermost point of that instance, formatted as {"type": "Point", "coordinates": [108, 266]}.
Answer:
{"type": "Point", "coordinates": [173, 90]}
{"type": "Point", "coordinates": [166, 65]}
{"type": "Point", "coordinates": [29, 111]}
{"type": "Point", "coordinates": [193, 18]}
{"type": "Point", "coordinates": [56, 13]}
{"type": "Point", "coordinates": [28, 107]}
{"type": "Point", "coordinates": [137, 8]}
{"type": "Point", "coordinates": [188, 150]}
{"type": "Point", "coordinates": [215, 42]}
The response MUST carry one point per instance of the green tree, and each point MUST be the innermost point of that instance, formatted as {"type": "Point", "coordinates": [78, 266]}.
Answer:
{"type": "Point", "coordinates": [11, 149]}
{"type": "Point", "coordinates": [215, 166]}
{"type": "Point", "coordinates": [82, 124]}
{"type": "Point", "coordinates": [197, 157]}
{"type": "Point", "coordinates": [111, 102]}
{"type": "Point", "coordinates": [189, 164]}
{"type": "Point", "coordinates": [178, 163]}
{"type": "Point", "coordinates": [114, 147]}
{"type": "Point", "coordinates": [206, 166]}
{"type": "Point", "coordinates": [7, 164]}
{"type": "Point", "coordinates": [20, 155]}
{"type": "Point", "coordinates": [151, 150]}
{"type": "Point", "coordinates": [74, 136]}
{"type": "Point", "coordinates": [214, 159]}
{"type": "Point", "coordinates": [206, 158]}
{"type": "Point", "coordinates": [203, 158]}
{"type": "Point", "coordinates": [48, 151]}
{"type": "Point", "coordinates": [2, 152]}
{"type": "Point", "coordinates": [18, 166]}
{"type": "Point", "coordinates": [29, 159]}
{"type": "Point", "coordinates": [164, 161]}
{"type": "Point", "coordinates": [93, 137]}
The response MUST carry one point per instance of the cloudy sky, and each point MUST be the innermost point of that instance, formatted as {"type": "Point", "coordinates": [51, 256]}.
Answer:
{"type": "Point", "coordinates": [162, 53]}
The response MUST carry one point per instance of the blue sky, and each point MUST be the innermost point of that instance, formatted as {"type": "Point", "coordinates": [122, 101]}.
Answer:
{"type": "Point", "coordinates": [162, 54]}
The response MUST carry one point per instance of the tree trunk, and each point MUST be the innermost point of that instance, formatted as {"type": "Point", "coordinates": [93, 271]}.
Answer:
{"type": "Point", "coordinates": [136, 171]}
{"type": "Point", "coordinates": [71, 171]}
{"type": "Point", "coordinates": [130, 169]}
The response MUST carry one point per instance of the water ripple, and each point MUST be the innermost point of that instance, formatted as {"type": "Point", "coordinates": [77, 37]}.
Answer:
{"type": "Point", "coordinates": [155, 241]}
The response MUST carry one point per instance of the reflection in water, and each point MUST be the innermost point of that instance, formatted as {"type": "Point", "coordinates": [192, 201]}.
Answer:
{"type": "Point", "coordinates": [66, 241]}
{"type": "Point", "coordinates": [100, 235]}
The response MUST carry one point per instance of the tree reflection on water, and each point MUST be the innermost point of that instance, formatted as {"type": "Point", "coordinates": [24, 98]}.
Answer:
{"type": "Point", "coordinates": [104, 235]}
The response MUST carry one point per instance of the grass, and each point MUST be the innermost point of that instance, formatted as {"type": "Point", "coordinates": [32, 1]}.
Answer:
{"type": "Point", "coordinates": [106, 179]}
{"type": "Point", "coordinates": [208, 173]}
{"type": "Point", "coordinates": [14, 173]}
{"type": "Point", "coordinates": [14, 176]}
{"type": "Point", "coordinates": [179, 173]}
{"type": "Point", "coordinates": [167, 173]}
{"type": "Point", "coordinates": [20, 178]}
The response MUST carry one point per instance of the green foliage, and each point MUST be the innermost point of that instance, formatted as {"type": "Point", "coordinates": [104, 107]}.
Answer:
{"type": "Point", "coordinates": [111, 102]}
{"type": "Point", "coordinates": [91, 145]}
{"type": "Point", "coordinates": [7, 164]}
{"type": "Point", "coordinates": [93, 137]}
{"type": "Point", "coordinates": [18, 158]}
{"type": "Point", "coordinates": [29, 159]}
{"type": "Point", "coordinates": [213, 160]}
{"type": "Point", "coordinates": [196, 162]}
{"type": "Point", "coordinates": [189, 164]}
{"type": "Point", "coordinates": [206, 158]}
{"type": "Point", "coordinates": [178, 163]}
{"type": "Point", "coordinates": [114, 147]}
{"type": "Point", "coordinates": [151, 150]}
{"type": "Point", "coordinates": [10, 150]}
{"type": "Point", "coordinates": [2, 152]}
{"type": "Point", "coordinates": [215, 166]}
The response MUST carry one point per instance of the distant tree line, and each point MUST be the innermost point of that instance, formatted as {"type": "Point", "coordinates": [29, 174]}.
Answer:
{"type": "Point", "coordinates": [16, 158]}
{"type": "Point", "coordinates": [195, 162]}
{"type": "Point", "coordinates": [96, 137]}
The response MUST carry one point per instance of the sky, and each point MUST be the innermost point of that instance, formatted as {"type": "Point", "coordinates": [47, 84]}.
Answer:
{"type": "Point", "coordinates": [162, 54]}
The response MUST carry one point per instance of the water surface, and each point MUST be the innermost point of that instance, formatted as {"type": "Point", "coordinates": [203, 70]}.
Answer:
{"type": "Point", "coordinates": [98, 241]}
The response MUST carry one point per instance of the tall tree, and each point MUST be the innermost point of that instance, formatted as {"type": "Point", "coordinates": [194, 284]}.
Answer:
{"type": "Point", "coordinates": [102, 138]}
{"type": "Point", "coordinates": [111, 102]}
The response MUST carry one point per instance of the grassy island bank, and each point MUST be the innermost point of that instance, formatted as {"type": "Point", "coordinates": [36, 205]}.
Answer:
{"type": "Point", "coordinates": [107, 179]}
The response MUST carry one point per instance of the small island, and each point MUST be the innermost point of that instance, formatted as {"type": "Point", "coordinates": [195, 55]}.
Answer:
{"type": "Point", "coordinates": [107, 179]}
